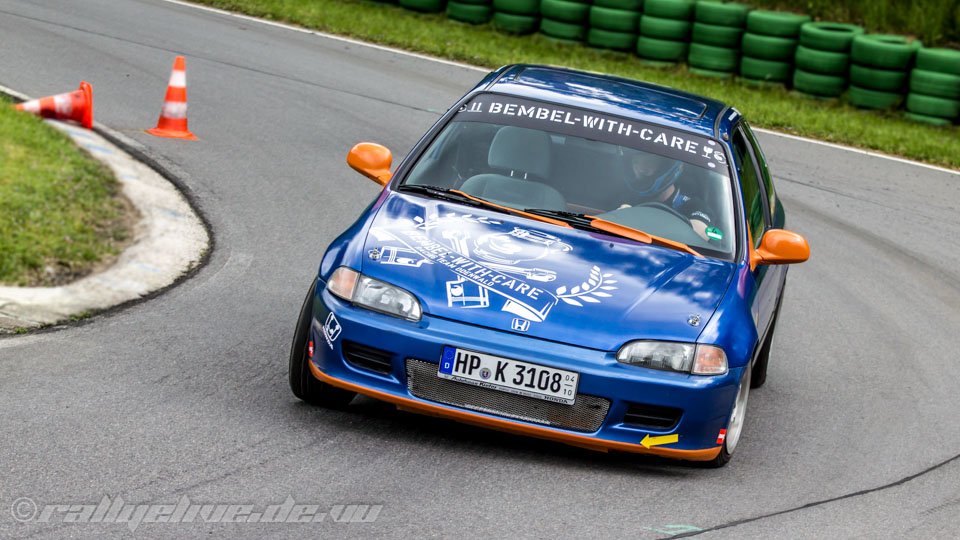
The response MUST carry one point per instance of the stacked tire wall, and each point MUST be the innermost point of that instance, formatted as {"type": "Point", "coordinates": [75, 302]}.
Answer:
{"type": "Point", "coordinates": [717, 34]}
{"type": "Point", "coordinates": [934, 96]}
{"type": "Point", "coordinates": [665, 30]}
{"type": "Point", "coordinates": [770, 44]}
{"type": "Point", "coordinates": [424, 6]}
{"type": "Point", "coordinates": [565, 19]}
{"type": "Point", "coordinates": [614, 24]}
{"type": "Point", "coordinates": [516, 16]}
{"type": "Point", "coordinates": [470, 11]}
{"type": "Point", "coordinates": [823, 58]}
{"type": "Point", "coordinates": [879, 68]}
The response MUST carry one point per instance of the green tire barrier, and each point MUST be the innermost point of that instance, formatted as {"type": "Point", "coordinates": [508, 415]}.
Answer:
{"type": "Point", "coordinates": [707, 57]}
{"type": "Point", "coordinates": [825, 62]}
{"type": "Point", "coordinates": [469, 13]}
{"type": "Point", "coordinates": [563, 30]}
{"type": "Point", "coordinates": [426, 6]}
{"type": "Point", "coordinates": [884, 80]}
{"type": "Point", "coordinates": [661, 28]}
{"type": "Point", "coordinates": [775, 23]}
{"type": "Point", "coordinates": [662, 50]}
{"type": "Point", "coordinates": [517, 7]}
{"type": "Point", "coordinates": [873, 99]}
{"type": "Point", "coordinates": [669, 9]}
{"type": "Point", "coordinates": [711, 73]}
{"type": "Point", "coordinates": [818, 84]}
{"type": "Point", "coordinates": [474, 2]}
{"type": "Point", "coordinates": [605, 39]}
{"type": "Point", "coordinates": [932, 83]}
{"type": "Point", "coordinates": [883, 51]}
{"type": "Point", "coordinates": [933, 106]}
{"type": "Point", "coordinates": [718, 36]}
{"type": "Point", "coordinates": [565, 11]}
{"type": "Point", "coordinates": [939, 60]}
{"type": "Point", "coordinates": [715, 13]}
{"type": "Point", "coordinates": [932, 120]}
{"type": "Point", "coordinates": [515, 24]}
{"type": "Point", "coordinates": [769, 47]}
{"type": "Point", "coordinates": [829, 36]}
{"type": "Point", "coordinates": [765, 70]}
{"type": "Point", "coordinates": [616, 20]}
{"type": "Point", "coordinates": [626, 5]}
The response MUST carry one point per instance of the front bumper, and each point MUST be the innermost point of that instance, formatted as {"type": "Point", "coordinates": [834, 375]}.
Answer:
{"type": "Point", "coordinates": [705, 402]}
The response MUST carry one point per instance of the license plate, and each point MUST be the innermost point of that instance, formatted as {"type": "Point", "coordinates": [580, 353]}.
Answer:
{"type": "Point", "coordinates": [506, 375]}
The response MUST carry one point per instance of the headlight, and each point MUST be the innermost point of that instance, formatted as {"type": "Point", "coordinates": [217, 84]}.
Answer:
{"type": "Point", "coordinates": [682, 357]}
{"type": "Point", "coordinates": [373, 294]}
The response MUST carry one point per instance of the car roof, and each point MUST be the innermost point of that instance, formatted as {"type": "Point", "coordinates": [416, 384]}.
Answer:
{"type": "Point", "coordinates": [627, 98]}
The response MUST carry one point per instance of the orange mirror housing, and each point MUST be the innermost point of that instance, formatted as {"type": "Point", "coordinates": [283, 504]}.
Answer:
{"type": "Point", "coordinates": [779, 246]}
{"type": "Point", "coordinates": [371, 160]}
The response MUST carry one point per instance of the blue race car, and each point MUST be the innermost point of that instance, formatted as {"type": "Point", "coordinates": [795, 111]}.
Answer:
{"type": "Point", "coordinates": [565, 255]}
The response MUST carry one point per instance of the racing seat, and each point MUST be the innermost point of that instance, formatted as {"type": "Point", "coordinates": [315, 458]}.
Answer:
{"type": "Point", "coordinates": [520, 153]}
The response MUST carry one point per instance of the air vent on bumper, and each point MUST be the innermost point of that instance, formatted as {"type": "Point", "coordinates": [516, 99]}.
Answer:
{"type": "Point", "coordinates": [368, 357]}
{"type": "Point", "coordinates": [651, 416]}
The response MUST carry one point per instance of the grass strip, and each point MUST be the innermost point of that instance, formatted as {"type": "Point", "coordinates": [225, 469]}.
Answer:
{"type": "Point", "coordinates": [60, 210]}
{"type": "Point", "coordinates": [774, 108]}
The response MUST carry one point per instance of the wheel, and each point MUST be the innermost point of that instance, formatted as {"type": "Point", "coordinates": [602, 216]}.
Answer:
{"type": "Point", "coordinates": [939, 60]}
{"type": "Point", "coordinates": [615, 20]}
{"type": "Point", "coordinates": [884, 80]}
{"type": "Point", "coordinates": [735, 424]}
{"type": "Point", "coordinates": [765, 70]}
{"type": "Point", "coordinates": [769, 47]}
{"type": "Point", "coordinates": [817, 84]}
{"type": "Point", "coordinates": [873, 99]}
{"type": "Point", "coordinates": [829, 36]}
{"type": "Point", "coordinates": [662, 28]}
{"type": "Point", "coordinates": [426, 6]}
{"type": "Point", "coordinates": [729, 14]}
{"type": "Point", "coordinates": [515, 24]}
{"type": "Point", "coordinates": [618, 41]}
{"type": "Point", "coordinates": [662, 50]}
{"type": "Point", "coordinates": [517, 7]}
{"type": "Point", "coordinates": [713, 58]}
{"type": "Point", "coordinates": [883, 51]}
{"type": "Point", "coordinates": [823, 62]}
{"type": "Point", "coordinates": [563, 30]}
{"type": "Point", "coordinates": [776, 23]}
{"type": "Point", "coordinates": [932, 83]}
{"type": "Point", "coordinates": [933, 106]}
{"type": "Point", "coordinates": [564, 11]}
{"type": "Point", "coordinates": [302, 382]}
{"type": "Point", "coordinates": [718, 36]}
{"type": "Point", "coordinates": [469, 13]}
{"type": "Point", "coordinates": [669, 9]}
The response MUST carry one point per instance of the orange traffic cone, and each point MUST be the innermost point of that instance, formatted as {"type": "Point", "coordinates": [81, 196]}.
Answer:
{"type": "Point", "coordinates": [76, 106]}
{"type": "Point", "coordinates": [173, 114]}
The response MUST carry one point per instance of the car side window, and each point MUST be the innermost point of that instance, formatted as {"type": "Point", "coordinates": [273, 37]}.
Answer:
{"type": "Point", "coordinates": [762, 165]}
{"type": "Point", "coordinates": [753, 195]}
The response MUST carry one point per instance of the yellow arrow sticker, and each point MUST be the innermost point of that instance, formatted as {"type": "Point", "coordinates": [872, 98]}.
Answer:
{"type": "Point", "coordinates": [649, 441]}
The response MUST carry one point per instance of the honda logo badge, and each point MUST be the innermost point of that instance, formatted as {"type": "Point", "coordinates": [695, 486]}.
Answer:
{"type": "Point", "coordinates": [520, 325]}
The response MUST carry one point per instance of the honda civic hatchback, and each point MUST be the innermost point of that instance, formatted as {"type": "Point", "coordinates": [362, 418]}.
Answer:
{"type": "Point", "coordinates": [564, 255]}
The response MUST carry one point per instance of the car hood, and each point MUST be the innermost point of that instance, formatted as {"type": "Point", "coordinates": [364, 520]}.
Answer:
{"type": "Point", "coordinates": [517, 275]}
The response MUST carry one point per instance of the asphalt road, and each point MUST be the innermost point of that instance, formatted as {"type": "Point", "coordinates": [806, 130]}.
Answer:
{"type": "Point", "coordinates": [186, 394]}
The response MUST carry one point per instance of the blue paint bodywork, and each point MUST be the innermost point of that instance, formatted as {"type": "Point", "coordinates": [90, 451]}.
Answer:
{"type": "Point", "coordinates": [651, 291]}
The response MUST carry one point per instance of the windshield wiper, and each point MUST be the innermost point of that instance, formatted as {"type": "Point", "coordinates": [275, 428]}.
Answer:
{"type": "Point", "coordinates": [439, 193]}
{"type": "Point", "coordinates": [584, 221]}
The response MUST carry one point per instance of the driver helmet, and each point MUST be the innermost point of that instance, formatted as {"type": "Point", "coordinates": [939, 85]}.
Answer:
{"type": "Point", "coordinates": [650, 174]}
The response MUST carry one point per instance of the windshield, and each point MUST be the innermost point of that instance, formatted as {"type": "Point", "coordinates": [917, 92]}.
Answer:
{"type": "Point", "coordinates": [529, 155]}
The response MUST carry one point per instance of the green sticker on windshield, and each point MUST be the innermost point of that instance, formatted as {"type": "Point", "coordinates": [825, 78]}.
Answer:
{"type": "Point", "coordinates": [714, 233]}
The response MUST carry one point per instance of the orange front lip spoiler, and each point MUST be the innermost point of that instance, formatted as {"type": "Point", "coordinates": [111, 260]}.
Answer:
{"type": "Point", "coordinates": [509, 426]}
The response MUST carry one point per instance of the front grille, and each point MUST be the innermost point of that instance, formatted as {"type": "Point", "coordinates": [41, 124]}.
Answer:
{"type": "Point", "coordinates": [586, 414]}
{"type": "Point", "coordinates": [651, 416]}
{"type": "Point", "coordinates": [368, 357]}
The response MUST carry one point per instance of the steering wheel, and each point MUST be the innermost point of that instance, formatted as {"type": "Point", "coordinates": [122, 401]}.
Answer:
{"type": "Point", "coordinates": [665, 208]}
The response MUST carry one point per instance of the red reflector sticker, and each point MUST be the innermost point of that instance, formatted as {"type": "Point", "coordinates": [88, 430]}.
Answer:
{"type": "Point", "coordinates": [310, 349]}
{"type": "Point", "coordinates": [722, 436]}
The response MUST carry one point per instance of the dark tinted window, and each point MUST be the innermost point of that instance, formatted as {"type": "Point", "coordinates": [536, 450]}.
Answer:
{"type": "Point", "coordinates": [764, 172]}
{"type": "Point", "coordinates": [750, 185]}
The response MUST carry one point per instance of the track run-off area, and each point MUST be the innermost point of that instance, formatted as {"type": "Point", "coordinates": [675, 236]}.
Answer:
{"type": "Point", "coordinates": [855, 434]}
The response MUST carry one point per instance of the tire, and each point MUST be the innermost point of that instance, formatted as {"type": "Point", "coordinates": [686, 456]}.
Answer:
{"type": "Point", "coordinates": [718, 36]}
{"type": "Point", "coordinates": [729, 14]}
{"type": "Point", "coordinates": [933, 106]}
{"type": "Point", "coordinates": [932, 120]}
{"type": "Point", "coordinates": [712, 73]}
{"type": "Point", "coordinates": [661, 28]}
{"type": "Point", "coordinates": [935, 84]}
{"type": "Point", "coordinates": [765, 70]}
{"type": "Point", "coordinates": [515, 24]}
{"type": "Point", "coordinates": [563, 30]}
{"type": "Point", "coordinates": [425, 6]}
{"type": "Point", "coordinates": [829, 36]}
{"type": "Point", "coordinates": [669, 9]}
{"type": "Point", "coordinates": [706, 57]}
{"type": "Point", "coordinates": [776, 23]}
{"type": "Point", "coordinates": [735, 424]}
{"type": "Point", "coordinates": [825, 62]}
{"type": "Point", "coordinates": [769, 47]}
{"type": "Point", "coordinates": [883, 51]}
{"type": "Point", "coordinates": [884, 80]}
{"type": "Point", "coordinates": [469, 13]}
{"type": "Point", "coordinates": [604, 39]}
{"type": "Point", "coordinates": [818, 84]}
{"type": "Point", "coordinates": [302, 382]}
{"type": "Point", "coordinates": [662, 50]}
{"type": "Point", "coordinates": [873, 99]}
{"type": "Point", "coordinates": [565, 11]}
{"type": "Point", "coordinates": [615, 20]}
{"type": "Point", "coordinates": [939, 60]}
{"type": "Point", "coordinates": [626, 5]}
{"type": "Point", "coordinates": [517, 7]}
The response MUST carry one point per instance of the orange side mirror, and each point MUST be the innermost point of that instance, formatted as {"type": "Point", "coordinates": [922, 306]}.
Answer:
{"type": "Point", "coordinates": [779, 246]}
{"type": "Point", "coordinates": [371, 160]}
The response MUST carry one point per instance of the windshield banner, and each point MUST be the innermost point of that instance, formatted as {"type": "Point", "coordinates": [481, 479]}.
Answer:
{"type": "Point", "coordinates": [551, 117]}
